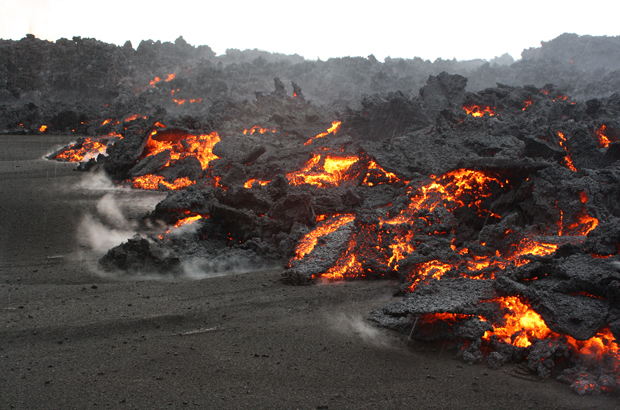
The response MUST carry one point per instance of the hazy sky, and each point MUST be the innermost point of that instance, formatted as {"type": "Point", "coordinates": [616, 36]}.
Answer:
{"type": "Point", "coordinates": [320, 29]}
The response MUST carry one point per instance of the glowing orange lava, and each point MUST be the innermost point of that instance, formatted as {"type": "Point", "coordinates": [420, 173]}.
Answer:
{"type": "Point", "coordinates": [154, 182]}
{"type": "Point", "coordinates": [199, 146]}
{"type": "Point", "coordinates": [331, 130]}
{"type": "Point", "coordinates": [527, 103]}
{"type": "Point", "coordinates": [522, 323]}
{"type": "Point", "coordinates": [89, 149]}
{"type": "Point", "coordinates": [603, 140]}
{"type": "Point", "coordinates": [479, 110]}
{"type": "Point", "coordinates": [324, 171]}
{"type": "Point", "coordinates": [345, 266]}
{"type": "Point", "coordinates": [567, 159]}
{"type": "Point", "coordinates": [454, 188]}
{"type": "Point", "coordinates": [259, 129]}
{"type": "Point", "coordinates": [182, 222]}
{"type": "Point", "coordinates": [134, 117]}
{"type": "Point", "coordinates": [169, 77]}
{"type": "Point", "coordinates": [250, 182]}
{"type": "Point", "coordinates": [377, 173]}
{"type": "Point", "coordinates": [42, 128]}
{"type": "Point", "coordinates": [309, 241]}
{"type": "Point", "coordinates": [428, 270]}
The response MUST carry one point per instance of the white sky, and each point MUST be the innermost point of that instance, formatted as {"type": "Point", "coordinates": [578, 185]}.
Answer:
{"type": "Point", "coordinates": [320, 28]}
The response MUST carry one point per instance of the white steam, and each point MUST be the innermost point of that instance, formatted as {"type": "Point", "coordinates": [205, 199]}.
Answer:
{"type": "Point", "coordinates": [221, 265]}
{"type": "Point", "coordinates": [109, 209]}
{"type": "Point", "coordinates": [356, 325]}
{"type": "Point", "coordinates": [96, 181]}
{"type": "Point", "coordinates": [99, 237]}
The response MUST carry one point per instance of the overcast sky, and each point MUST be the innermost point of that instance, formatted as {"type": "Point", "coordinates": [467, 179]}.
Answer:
{"type": "Point", "coordinates": [322, 28]}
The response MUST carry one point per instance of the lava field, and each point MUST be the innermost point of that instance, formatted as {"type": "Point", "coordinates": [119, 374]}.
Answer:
{"type": "Point", "coordinates": [497, 210]}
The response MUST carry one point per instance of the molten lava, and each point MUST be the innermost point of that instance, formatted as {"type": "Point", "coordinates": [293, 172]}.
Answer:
{"type": "Point", "coordinates": [199, 146]}
{"type": "Point", "coordinates": [169, 77]}
{"type": "Point", "coordinates": [250, 182]}
{"type": "Point", "coordinates": [567, 159]}
{"type": "Point", "coordinates": [259, 129]}
{"type": "Point", "coordinates": [479, 110]}
{"type": "Point", "coordinates": [377, 175]}
{"type": "Point", "coordinates": [42, 128]}
{"type": "Point", "coordinates": [324, 171]}
{"type": "Point", "coordinates": [153, 182]}
{"type": "Point", "coordinates": [181, 146]}
{"type": "Point", "coordinates": [182, 222]}
{"type": "Point", "coordinates": [134, 117]}
{"type": "Point", "coordinates": [309, 241]}
{"type": "Point", "coordinates": [90, 148]}
{"type": "Point", "coordinates": [331, 130]}
{"type": "Point", "coordinates": [522, 323]}
{"type": "Point", "coordinates": [454, 189]}
{"type": "Point", "coordinates": [603, 140]}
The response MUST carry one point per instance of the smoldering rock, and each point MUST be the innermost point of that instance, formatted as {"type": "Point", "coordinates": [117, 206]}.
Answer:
{"type": "Point", "coordinates": [537, 148]}
{"type": "Point", "coordinates": [188, 167]}
{"type": "Point", "coordinates": [150, 164]}
{"type": "Point", "coordinates": [321, 259]}
{"type": "Point", "coordinates": [459, 296]}
{"type": "Point", "coordinates": [542, 356]}
{"type": "Point", "coordinates": [242, 149]}
{"type": "Point", "coordinates": [140, 256]}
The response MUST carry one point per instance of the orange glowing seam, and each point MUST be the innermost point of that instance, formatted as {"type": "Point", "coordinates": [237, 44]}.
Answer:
{"type": "Point", "coordinates": [567, 159]}
{"type": "Point", "coordinates": [331, 130]}
{"type": "Point", "coordinates": [259, 129]}
{"type": "Point", "coordinates": [200, 146]}
{"type": "Point", "coordinates": [522, 323]}
{"type": "Point", "coordinates": [478, 110]}
{"type": "Point", "coordinates": [89, 149]}
{"type": "Point", "coordinates": [182, 222]}
{"type": "Point", "coordinates": [250, 182]}
{"type": "Point", "coordinates": [348, 265]}
{"type": "Point", "coordinates": [450, 188]}
{"type": "Point", "coordinates": [308, 242]}
{"type": "Point", "coordinates": [401, 247]}
{"type": "Point", "coordinates": [42, 128]}
{"type": "Point", "coordinates": [323, 172]}
{"type": "Point", "coordinates": [376, 169]}
{"type": "Point", "coordinates": [428, 270]}
{"type": "Point", "coordinates": [134, 117]}
{"type": "Point", "coordinates": [154, 181]}
{"type": "Point", "coordinates": [527, 103]}
{"type": "Point", "coordinates": [169, 77]}
{"type": "Point", "coordinates": [603, 140]}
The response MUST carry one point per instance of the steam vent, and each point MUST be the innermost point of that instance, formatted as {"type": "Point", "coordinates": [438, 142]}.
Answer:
{"type": "Point", "coordinates": [495, 203]}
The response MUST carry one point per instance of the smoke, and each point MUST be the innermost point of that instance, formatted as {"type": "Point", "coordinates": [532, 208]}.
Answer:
{"type": "Point", "coordinates": [356, 325]}
{"type": "Point", "coordinates": [114, 216]}
{"type": "Point", "coordinates": [98, 236]}
{"type": "Point", "coordinates": [109, 209]}
{"type": "Point", "coordinates": [96, 181]}
{"type": "Point", "coordinates": [230, 263]}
